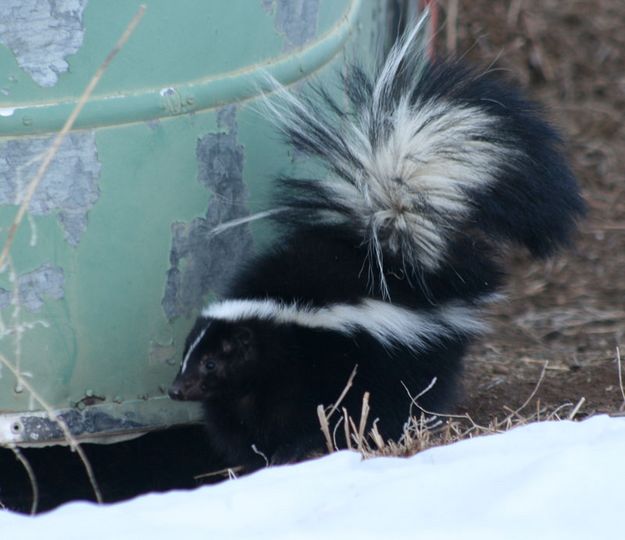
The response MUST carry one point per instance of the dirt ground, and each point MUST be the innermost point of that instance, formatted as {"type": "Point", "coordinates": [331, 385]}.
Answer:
{"type": "Point", "coordinates": [568, 311]}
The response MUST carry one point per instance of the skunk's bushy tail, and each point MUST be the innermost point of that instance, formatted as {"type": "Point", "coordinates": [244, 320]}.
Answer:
{"type": "Point", "coordinates": [427, 150]}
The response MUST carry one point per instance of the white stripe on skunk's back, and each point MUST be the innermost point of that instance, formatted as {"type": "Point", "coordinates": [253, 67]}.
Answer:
{"type": "Point", "coordinates": [386, 322]}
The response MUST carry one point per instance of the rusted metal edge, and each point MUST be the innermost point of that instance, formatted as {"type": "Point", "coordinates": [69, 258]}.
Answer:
{"type": "Point", "coordinates": [103, 423]}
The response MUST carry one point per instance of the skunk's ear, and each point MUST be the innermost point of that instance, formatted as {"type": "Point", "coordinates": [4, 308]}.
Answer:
{"type": "Point", "coordinates": [239, 340]}
{"type": "Point", "coordinates": [243, 336]}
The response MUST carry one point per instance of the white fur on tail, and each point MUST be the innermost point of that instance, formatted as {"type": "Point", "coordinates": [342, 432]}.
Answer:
{"type": "Point", "coordinates": [401, 167]}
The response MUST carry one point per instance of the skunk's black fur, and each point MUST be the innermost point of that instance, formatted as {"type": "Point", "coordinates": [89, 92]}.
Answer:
{"type": "Point", "coordinates": [384, 264]}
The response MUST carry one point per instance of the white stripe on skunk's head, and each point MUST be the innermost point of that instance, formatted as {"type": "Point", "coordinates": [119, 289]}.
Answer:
{"type": "Point", "coordinates": [192, 347]}
{"type": "Point", "coordinates": [389, 324]}
{"type": "Point", "coordinates": [220, 358]}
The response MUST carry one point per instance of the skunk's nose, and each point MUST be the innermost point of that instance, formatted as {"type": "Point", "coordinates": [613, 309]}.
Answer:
{"type": "Point", "coordinates": [175, 391]}
{"type": "Point", "coordinates": [187, 389]}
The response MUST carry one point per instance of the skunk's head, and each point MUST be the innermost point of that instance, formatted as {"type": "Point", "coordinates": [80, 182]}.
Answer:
{"type": "Point", "coordinates": [219, 359]}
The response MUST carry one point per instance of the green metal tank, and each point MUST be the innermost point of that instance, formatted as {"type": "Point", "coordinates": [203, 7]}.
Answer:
{"type": "Point", "coordinates": [114, 261]}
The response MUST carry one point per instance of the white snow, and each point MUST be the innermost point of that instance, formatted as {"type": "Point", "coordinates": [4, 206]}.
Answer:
{"type": "Point", "coordinates": [556, 480]}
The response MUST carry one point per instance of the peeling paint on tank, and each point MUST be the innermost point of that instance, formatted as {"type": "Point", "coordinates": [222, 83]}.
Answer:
{"type": "Point", "coordinates": [201, 262]}
{"type": "Point", "coordinates": [80, 424]}
{"type": "Point", "coordinates": [42, 34]}
{"type": "Point", "coordinates": [295, 19]}
{"type": "Point", "coordinates": [45, 282]}
{"type": "Point", "coordinates": [70, 187]}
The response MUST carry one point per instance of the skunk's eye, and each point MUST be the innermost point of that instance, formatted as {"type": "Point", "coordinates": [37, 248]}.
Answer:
{"type": "Point", "coordinates": [207, 363]}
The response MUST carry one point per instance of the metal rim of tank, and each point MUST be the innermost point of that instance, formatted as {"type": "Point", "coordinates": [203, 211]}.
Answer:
{"type": "Point", "coordinates": [105, 423]}
{"type": "Point", "coordinates": [187, 97]}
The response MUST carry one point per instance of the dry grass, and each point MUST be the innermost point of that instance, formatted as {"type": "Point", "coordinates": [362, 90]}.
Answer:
{"type": "Point", "coordinates": [426, 429]}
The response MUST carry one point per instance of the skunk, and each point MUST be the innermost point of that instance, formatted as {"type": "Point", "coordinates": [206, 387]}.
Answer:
{"type": "Point", "coordinates": [383, 266]}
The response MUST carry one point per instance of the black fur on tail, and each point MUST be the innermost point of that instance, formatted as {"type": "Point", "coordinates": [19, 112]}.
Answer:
{"type": "Point", "coordinates": [424, 153]}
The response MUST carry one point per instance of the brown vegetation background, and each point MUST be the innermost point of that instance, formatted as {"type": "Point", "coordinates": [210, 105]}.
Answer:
{"type": "Point", "coordinates": [565, 316]}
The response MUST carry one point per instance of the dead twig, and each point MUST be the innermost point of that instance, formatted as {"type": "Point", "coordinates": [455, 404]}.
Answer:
{"type": "Point", "coordinates": [230, 472]}
{"type": "Point", "coordinates": [452, 26]}
{"type": "Point", "coordinates": [261, 454]}
{"type": "Point", "coordinates": [514, 11]}
{"type": "Point", "coordinates": [531, 396]}
{"type": "Point", "coordinates": [364, 415]}
{"type": "Point", "coordinates": [325, 427]}
{"type": "Point", "coordinates": [576, 409]}
{"type": "Point", "coordinates": [71, 440]}
{"type": "Point", "coordinates": [324, 416]}
{"type": "Point", "coordinates": [348, 385]}
{"type": "Point", "coordinates": [347, 423]}
{"type": "Point", "coordinates": [31, 478]}
{"type": "Point", "coordinates": [619, 367]}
